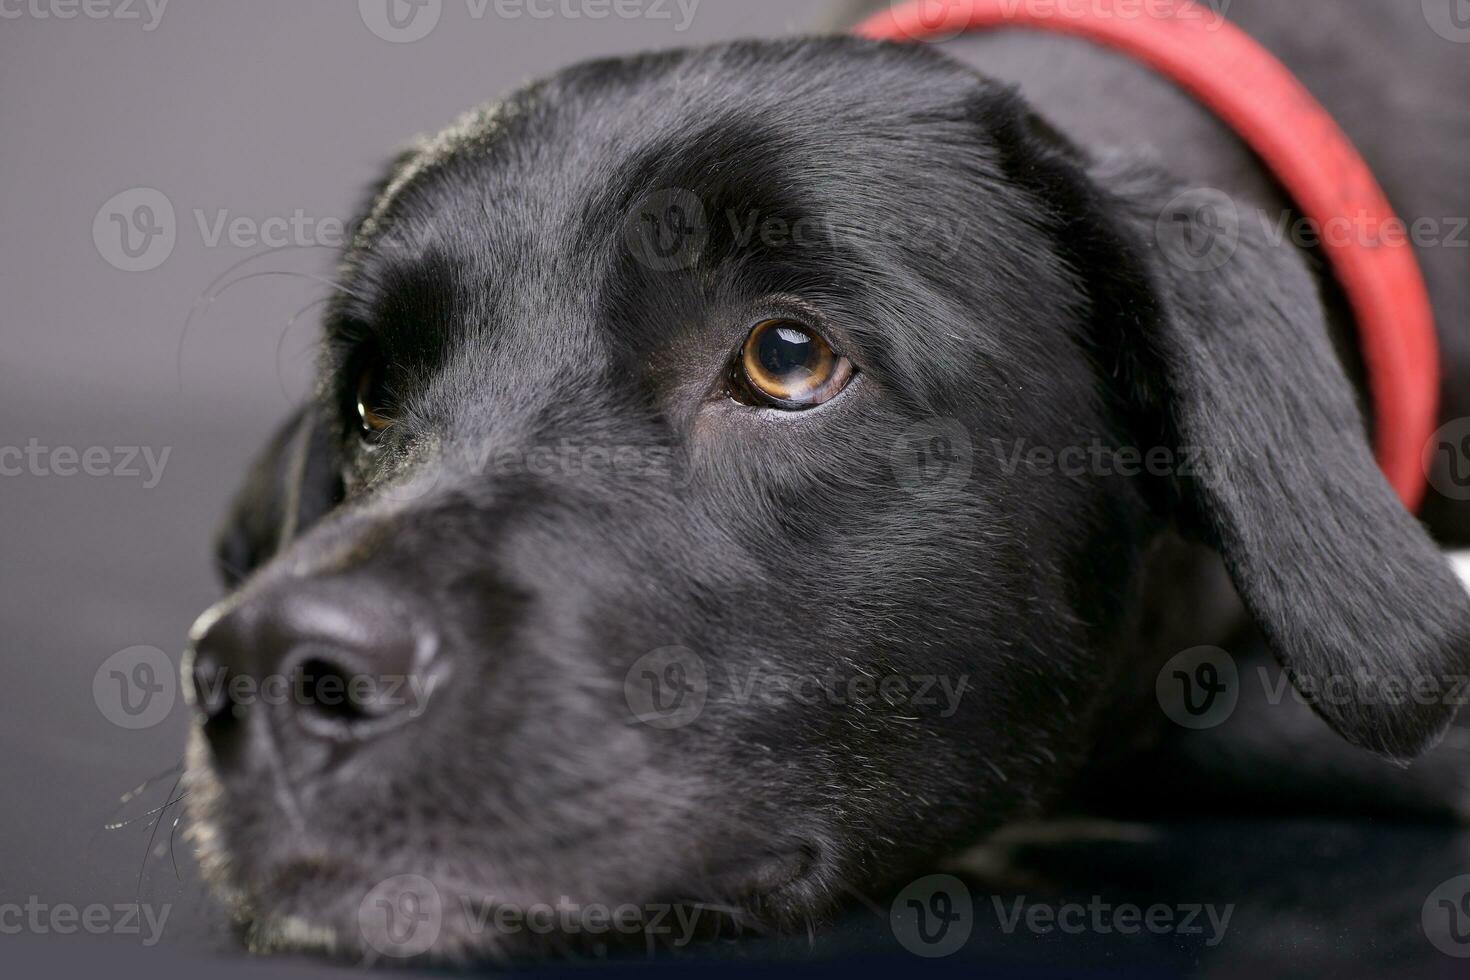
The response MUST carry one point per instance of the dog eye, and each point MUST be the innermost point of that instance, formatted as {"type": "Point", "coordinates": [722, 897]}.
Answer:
{"type": "Point", "coordinates": [373, 402]}
{"type": "Point", "coordinates": [787, 365]}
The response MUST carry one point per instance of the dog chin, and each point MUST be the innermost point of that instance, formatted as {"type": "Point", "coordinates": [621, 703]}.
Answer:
{"type": "Point", "coordinates": [350, 916]}
{"type": "Point", "coordinates": [327, 897]}
{"type": "Point", "coordinates": [309, 906]}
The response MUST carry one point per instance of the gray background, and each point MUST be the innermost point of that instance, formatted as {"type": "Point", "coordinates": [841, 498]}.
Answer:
{"type": "Point", "coordinates": [261, 110]}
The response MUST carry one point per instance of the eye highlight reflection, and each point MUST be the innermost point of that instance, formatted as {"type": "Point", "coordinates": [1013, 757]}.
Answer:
{"type": "Point", "coordinates": [374, 410]}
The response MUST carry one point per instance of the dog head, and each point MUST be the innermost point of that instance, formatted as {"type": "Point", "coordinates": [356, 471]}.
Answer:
{"type": "Point", "coordinates": [673, 520]}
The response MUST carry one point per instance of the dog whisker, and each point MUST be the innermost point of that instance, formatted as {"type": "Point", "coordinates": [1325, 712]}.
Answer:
{"type": "Point", "coordinates": [220, 286]}
{"type": "Point", "coordinates": [286, 332]}
{"type": "Point", "coordinates": [118, 825]}
{"type": "Point", "coordinates": [133, 794]}
{"type": "Point", "coordinates": [153, 834]}
{"type": "Point", "coordinates": [173, 858]}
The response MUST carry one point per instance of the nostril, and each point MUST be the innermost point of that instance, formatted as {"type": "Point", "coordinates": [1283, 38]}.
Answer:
{"type": "Point", "coordinates": [332, 660]}
{"type": "Point", "coordinates": [335, 698]}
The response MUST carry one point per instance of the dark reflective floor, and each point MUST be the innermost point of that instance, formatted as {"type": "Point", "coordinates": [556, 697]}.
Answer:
{"type": "Point", "coordinates": [1250, 898]}
{"type": "Point", "coordinates": [1309, 898]}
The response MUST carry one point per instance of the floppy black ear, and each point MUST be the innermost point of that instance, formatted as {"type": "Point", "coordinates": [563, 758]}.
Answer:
{"type": "Point", "coordinates": [1232, 365]}
{"type": "Point", "coordinates": [1215, 340]}
{"type": "Point", "coordinates": [292, 482]}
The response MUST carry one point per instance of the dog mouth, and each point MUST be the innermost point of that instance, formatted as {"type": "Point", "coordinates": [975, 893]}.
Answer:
{"type": "Point", "coordinates": [318, 903]}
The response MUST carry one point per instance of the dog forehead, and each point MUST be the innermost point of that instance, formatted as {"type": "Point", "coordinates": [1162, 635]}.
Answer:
{"type": "Point", "coordinates": [564, 150]}
{"type": "Point", "coordinates": [527, 212]}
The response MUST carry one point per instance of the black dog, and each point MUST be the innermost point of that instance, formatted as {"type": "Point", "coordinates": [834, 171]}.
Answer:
{"type": "Point", "coordinates": [671, 480]}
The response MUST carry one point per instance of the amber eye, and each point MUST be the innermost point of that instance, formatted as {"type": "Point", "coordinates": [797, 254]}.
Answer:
{"type": "Point", "coordinates": [787, 365]}
{"type": "Point", "coordinates": [373, 404]}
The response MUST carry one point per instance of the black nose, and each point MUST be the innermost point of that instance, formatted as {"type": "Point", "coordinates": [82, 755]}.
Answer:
{"type": "Point", "coordinates": [321, 661]}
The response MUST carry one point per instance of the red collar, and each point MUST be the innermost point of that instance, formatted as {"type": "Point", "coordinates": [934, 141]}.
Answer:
{"type": "Point", "coordinates": [1303, 147]}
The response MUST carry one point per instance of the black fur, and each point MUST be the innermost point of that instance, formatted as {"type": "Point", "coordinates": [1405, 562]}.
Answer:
{"type": "Point", "coordinates": [976, 266]}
